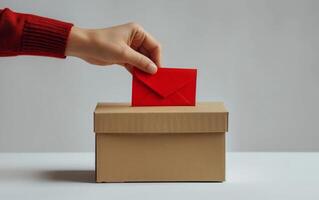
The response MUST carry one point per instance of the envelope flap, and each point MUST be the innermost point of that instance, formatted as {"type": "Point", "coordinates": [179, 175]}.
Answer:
{"type": "Point", "coordinates": [167, 80]}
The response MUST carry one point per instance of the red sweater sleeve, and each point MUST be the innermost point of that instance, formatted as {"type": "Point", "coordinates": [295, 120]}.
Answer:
{"type": "Point", "coordinates": [26, 34]}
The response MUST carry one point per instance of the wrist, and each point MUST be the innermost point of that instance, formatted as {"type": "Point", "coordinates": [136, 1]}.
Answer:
{"type": "Point", "coordinates": [77, 42]}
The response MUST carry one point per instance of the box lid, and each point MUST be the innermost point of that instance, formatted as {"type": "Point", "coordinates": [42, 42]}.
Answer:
{"type": "Point", "coordinates": [122, 118]}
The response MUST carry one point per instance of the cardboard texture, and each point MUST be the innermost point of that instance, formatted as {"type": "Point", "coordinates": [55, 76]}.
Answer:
{"type": "Point", "coordinates": [174, 143]}
{"type": "Point", "coordinates": [168, 87]}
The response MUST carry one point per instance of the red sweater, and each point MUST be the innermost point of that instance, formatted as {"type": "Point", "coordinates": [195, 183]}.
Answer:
{"type": "Point", "coordinates": [25, 34]}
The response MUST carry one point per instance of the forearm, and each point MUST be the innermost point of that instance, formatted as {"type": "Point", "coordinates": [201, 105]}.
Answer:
{"type": "Point", "coordinates": [26, 34]}
{"type": "Point", "coordinates": [78, 42]}
{"type": "Point", "coordinates": [128, 45]}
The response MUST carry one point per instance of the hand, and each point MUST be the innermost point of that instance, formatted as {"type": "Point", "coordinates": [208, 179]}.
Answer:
{"type": "Point", "coordinates": [127, 45]}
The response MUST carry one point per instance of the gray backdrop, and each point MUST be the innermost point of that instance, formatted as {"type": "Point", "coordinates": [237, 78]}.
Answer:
{"type": "Point", "coordinates": [259, 57]}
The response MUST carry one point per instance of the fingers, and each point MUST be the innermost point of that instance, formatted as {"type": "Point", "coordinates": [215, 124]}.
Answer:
{"type": "Point", "coordinates": [153, 48]}
{"type": "Point", "coordinates": [146, 44]}
{"type": "Point", "coordinates": [140, 61]}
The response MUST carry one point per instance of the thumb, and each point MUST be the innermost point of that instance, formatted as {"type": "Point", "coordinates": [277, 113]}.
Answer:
{"type": "Point", "coordinates": [140, 61]}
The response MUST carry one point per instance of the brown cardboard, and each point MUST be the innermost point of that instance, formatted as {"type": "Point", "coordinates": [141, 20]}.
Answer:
{"type": "Point", "coordinates": [181, 143]}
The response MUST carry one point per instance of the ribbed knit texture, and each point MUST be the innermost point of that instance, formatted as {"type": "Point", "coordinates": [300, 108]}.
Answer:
{"type": "Point", "coordinates": [25, 34]}
{"type": "Point", "coordinates": [43, 36]}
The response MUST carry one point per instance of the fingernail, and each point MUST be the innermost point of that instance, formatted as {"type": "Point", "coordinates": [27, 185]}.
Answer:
{"type": "Point", "coordinates": [152, 68]}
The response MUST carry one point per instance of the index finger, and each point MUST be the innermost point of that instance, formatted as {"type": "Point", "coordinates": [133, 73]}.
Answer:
{"type": "Point", "coordinates": [153, 47]}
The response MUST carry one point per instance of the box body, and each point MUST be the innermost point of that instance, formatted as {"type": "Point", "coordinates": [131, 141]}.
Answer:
{"type": "Point", "coordinates": [160, 143]}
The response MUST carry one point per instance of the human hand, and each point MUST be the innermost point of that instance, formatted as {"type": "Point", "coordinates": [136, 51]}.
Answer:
{"type": "Point", "coordinates": [127, 45]}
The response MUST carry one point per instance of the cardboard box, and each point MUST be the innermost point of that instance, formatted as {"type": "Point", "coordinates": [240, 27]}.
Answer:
{"type": "Point", "coordinates": [176, 143]}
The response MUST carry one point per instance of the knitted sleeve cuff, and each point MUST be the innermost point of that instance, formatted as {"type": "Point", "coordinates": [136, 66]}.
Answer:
{"type": "Point", "coordinates": [44, 36]}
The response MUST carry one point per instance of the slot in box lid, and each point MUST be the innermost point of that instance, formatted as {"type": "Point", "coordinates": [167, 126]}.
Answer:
{"type": "Point", "coordinates": [122, 118]}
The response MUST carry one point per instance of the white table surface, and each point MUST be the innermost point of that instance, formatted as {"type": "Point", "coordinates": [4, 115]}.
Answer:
{"type": "Point", "coordinates": [71, 176]}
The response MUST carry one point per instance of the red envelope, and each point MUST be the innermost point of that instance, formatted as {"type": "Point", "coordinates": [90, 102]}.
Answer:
{"type": "Point", "coordinates": [168, 87]}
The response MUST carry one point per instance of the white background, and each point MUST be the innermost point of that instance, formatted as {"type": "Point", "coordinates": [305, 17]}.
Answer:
{"type": "Point", "coordinates": [259, 57]}
{"type": "Point", "coordinates": [249, 175]}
